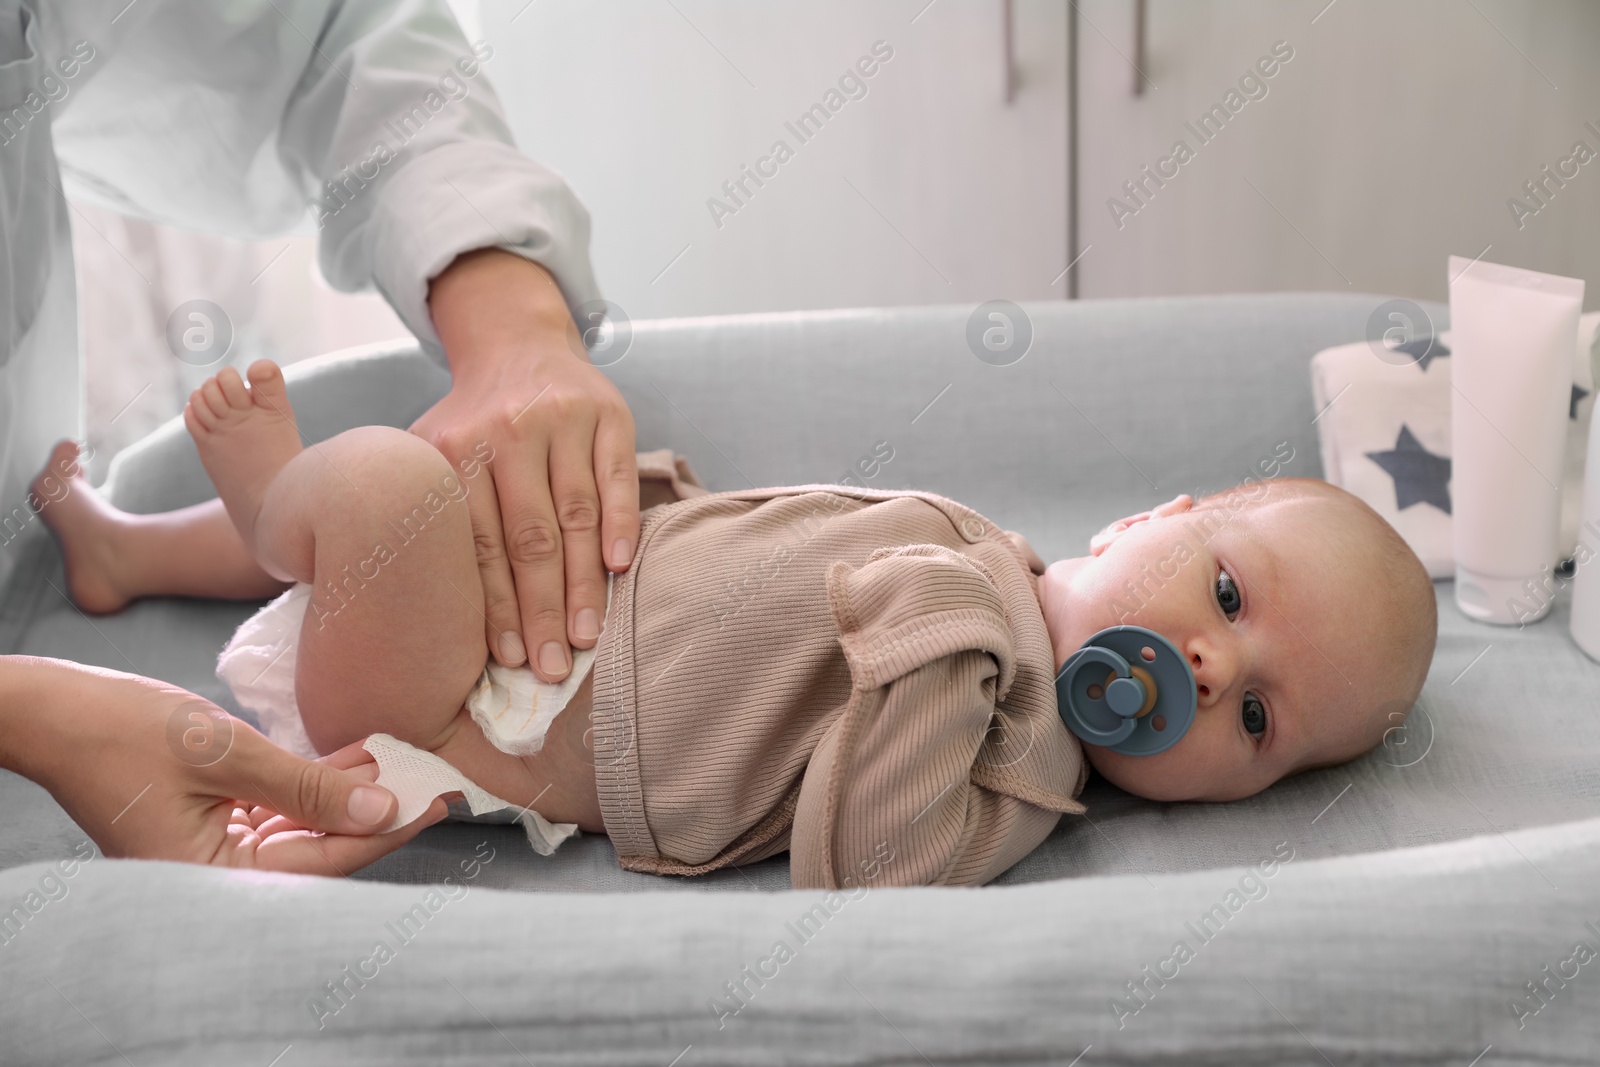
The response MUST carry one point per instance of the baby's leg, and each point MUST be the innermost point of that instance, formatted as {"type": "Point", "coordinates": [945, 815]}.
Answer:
{"type": "Point", "coordinates": [393, 639]}
{"type": "Point", "coordinates": [113, 556]}
{"type": "Point", "coordinates": [376, 520]}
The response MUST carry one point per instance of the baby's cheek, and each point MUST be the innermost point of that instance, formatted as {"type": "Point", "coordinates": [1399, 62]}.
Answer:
{"type": "Point", "coordinates": [1166, 776]}
{"type": "Point", "coordinates": [1124, 772]}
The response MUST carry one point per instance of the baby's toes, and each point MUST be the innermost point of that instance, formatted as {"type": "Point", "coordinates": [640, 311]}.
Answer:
{"type": "Point", "coordinates": [62, 466]}
{"type": "Point", "coordinates": [64, 459]}
{"type": "Point", "coordinates": [211, 392]}
{"type": "Point", "coordinates": [199, 408]}
{"type": "Point", "coordinates": [266, 386]}
{"type": "Point", "coordinates": [232, 386]}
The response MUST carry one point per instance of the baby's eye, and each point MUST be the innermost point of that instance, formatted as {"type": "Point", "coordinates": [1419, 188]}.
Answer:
{"type": "Point", "coordinates": [1255, 716]}
{"type": "Point", "coordinates": [1227, 595]}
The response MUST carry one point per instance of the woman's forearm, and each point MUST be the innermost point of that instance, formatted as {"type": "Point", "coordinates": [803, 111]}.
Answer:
{"type": "Point", "coordinates": [39, 699]}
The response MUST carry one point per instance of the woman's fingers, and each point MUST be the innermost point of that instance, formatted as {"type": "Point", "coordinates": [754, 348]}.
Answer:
{"type": "Point", "coordinates": [315, 794]}
{"type": "Point", "coordinates": [616, 476]}
{"type": "Point", "coordinates": [502, 623]}
{"type": "Point", "coordinates": [533, 543]}
{"type": "Point", "coordinates": [577, 507]}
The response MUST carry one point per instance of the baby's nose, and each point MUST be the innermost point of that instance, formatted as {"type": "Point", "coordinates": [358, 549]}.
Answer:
{"type": "Point", "coordinates": [1213, 672]}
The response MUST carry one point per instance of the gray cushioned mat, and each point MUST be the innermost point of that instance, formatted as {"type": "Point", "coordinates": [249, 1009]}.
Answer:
{"type": "Point", "coordinates": [1367, 948]}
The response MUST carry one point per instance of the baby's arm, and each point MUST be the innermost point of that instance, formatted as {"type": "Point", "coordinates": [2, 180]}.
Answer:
{"type": "Point", "coordinates": [908, 804]}
{"type": "Point", "coordinates": [921, 780]}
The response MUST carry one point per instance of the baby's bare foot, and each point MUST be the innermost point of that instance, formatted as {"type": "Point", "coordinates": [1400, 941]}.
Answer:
{"type": "Point", "coordinates": [86, 527]}
{"type": "Point", "coordinates": [245, 436]}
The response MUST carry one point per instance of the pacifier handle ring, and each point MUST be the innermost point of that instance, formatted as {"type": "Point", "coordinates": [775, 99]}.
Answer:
{"type": "Point", "coordinates": [1084, 657]}
{"type": "Point", "coordinates": [1094, 654]}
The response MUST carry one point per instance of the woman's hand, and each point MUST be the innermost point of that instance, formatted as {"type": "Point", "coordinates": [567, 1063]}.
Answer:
{"type": "Point", "coordinates": [259, 836]}
{"type": "Point", "coordinates": [154, 772]}
{"type": "Point", "coordinates": [560, 502]}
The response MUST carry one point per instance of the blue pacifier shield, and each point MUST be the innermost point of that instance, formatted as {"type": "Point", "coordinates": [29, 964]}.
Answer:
{"type": "Point", "coordinates": [1127, 689]}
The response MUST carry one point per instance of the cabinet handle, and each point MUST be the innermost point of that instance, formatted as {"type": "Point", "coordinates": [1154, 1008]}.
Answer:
{"type": "Point", "coordinates": [1139, 16]}
{"type": "Point", "coordinates": [1008, 56]}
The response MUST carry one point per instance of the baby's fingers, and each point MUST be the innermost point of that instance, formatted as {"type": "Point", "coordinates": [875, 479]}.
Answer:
{"type": "Point", "coordinates": [355, 759]}
{"type": "Point", "coordinates": [287, 848]}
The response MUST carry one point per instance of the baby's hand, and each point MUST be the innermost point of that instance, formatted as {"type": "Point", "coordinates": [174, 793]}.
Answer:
{"type": "Point", "coordinates": [259, 836]}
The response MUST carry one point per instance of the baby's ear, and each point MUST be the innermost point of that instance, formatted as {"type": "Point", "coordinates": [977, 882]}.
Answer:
{"type": "Point", "coordinates": [1176, 506]}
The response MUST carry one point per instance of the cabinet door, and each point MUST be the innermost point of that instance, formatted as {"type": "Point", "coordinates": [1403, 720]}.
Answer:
{"type": "Point", "coordinates": [736, 158]}
{"type": "Point", "coordinates": [1397, 135]}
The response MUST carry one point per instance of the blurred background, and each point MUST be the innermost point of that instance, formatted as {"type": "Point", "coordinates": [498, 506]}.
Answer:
{"type": "Point", "coordinates": [1017, 149]}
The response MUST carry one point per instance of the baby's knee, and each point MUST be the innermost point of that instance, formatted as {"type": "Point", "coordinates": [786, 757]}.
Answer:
{"type": "Point", "coordinates": [391, 469]}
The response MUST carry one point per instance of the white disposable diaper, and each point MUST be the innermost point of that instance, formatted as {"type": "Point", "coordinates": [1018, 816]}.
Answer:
{"type": "Point", "coordinates": [416, 777]}
{"type": "Point", "coordinates": [512, 707]}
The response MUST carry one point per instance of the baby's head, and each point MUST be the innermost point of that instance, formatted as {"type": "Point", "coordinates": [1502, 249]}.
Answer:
{"type": "Point", "coordinates": [1308, 622]}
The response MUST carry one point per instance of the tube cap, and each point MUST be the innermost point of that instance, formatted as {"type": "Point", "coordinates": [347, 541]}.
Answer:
{"type": "Point", "coordinates": [1499, 601]}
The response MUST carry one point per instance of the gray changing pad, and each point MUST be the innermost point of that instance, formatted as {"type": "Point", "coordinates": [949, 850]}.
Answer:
{"type": "Point", "coordinates": [1404, 953]}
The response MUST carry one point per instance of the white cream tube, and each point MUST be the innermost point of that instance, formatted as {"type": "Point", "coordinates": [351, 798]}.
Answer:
{"type": "Point", "coordinates": [1513, 333]}
{"type": "Point", "coordinates": [1585, 620]}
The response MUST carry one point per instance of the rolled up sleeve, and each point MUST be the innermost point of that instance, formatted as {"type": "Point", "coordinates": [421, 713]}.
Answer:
{"type": "Point", "coordinates": [459, 197]}
{"type": "Point", "coordinates": [372, 123]}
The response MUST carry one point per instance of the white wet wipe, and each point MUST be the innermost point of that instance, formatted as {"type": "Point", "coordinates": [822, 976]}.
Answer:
{"type": "Point", "coordinates": [416, 777]}
{"type": "Point", "coordinates": [514, 709]}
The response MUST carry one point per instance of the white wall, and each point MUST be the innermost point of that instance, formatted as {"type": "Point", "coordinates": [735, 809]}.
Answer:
{"type": "Point", "coordinates": [929, 189]}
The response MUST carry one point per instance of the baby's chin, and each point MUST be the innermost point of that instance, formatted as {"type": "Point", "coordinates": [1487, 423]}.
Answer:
{"type": "Point", "coordinates": [1157, 778]}
{"type": "Point", "coordinates": [1131, 774]}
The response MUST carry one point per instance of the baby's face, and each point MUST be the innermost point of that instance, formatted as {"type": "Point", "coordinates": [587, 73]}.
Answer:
{"type": "Point", "coordinates": [1267, 606]}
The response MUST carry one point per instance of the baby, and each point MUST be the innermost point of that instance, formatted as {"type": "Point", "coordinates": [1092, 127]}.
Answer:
{"type": "Point", "coordinates": [863, 678]}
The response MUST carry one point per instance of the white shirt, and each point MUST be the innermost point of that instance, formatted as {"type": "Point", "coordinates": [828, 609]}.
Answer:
{"type": "Point", "coordinates": [370, 122]}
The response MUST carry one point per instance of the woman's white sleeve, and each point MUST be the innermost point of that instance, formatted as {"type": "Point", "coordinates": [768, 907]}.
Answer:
{"type": "Point", "coordinates": [371, 123]}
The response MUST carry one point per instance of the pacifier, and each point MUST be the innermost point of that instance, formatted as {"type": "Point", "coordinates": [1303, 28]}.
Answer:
{"type": "Point", "coordinates": [1127, 689]}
